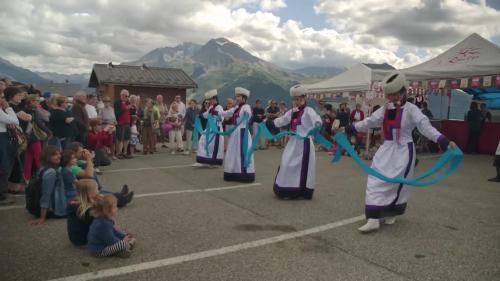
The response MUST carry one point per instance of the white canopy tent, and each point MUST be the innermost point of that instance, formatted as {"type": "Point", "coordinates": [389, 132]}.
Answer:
{"type": "Point", "coordinates": [474, 56]}
{"type": "Point", "coordinates": [358, 78]}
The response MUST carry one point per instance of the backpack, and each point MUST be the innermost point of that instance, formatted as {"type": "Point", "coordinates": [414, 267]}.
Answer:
{"type": "Point", "coordinates": [33, 194]}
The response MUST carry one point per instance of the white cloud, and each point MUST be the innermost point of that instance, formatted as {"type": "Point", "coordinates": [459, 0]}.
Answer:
{"type": "Point", "coordinates": [271, 5]}
{"type": "Point", "coordinates": [69, 36]}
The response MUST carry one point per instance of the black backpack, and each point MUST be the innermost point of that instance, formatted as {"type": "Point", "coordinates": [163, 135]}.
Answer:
{"type": "Point", "coordinates": [33, 194]}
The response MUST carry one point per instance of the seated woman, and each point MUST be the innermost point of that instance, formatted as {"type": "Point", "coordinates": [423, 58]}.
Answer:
{"type": "Point", "coordinates": [53, 199]}
{"type": "Point", "coordinates": [79, 217]}
{"type": "Point", "coordinates": [71, 171]}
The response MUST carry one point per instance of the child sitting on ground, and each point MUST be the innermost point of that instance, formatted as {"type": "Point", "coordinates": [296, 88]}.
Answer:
{"type": "Point", "coordinates": [79, 217]}
{"type": "Point", "coordinates": [104, 238]}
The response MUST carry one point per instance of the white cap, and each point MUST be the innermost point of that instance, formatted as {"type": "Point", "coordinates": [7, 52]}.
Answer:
{"type": "Point", "coordinates": [210, 94]}
{"type": "Point", "coordinates": [298, 90]}
{"type": "Point", "coordinates": [241, 91]}
{"type": "Point", "coordinates": [394, 83]}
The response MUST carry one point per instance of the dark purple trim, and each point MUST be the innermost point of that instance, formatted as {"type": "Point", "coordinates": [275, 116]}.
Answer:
{"type": "Point", "coordinates": [293, 193]}
{"type": "Point", "coordinates": [305, 162]}
{"type": "Point", "coordinates": [216, 148]}
{"type": "Point", "coordinates": [239, 177]}
{"type": "Point", "coordinates": [242, 155]}
{"type": "Point", "coordinates": [211, 161]}
{"type": "Point", "coordinates": [443, 142]}
{"type": "Point", "coordinates": [377, 212]}
{"type": "Point", "coordinates": [407, 170]}
{"type": "Point", "coordinates": [396, 124]}
{"type": "Point", "coordinates": [354, 130]}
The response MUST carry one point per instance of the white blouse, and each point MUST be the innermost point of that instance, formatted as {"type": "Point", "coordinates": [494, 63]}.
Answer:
{"type": "Point", "coordinates": [7, 117]}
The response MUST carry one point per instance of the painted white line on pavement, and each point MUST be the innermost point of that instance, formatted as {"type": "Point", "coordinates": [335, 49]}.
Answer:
{"type": "Point", "coordinates": [11, 207]}
{"type": "Point", "coordinates": [197, 190]}
{"type": "Point", "coordinates": [429, 156]}
{"type": "Point", "coordinates": [207, 254]}
{"type": "Point", "coordinates": [165, 193]}
{"type": "Point", "coordinates": [146, 168]}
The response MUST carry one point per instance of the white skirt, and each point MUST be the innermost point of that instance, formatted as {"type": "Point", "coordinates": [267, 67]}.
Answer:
{"type": "Point", "coordinates": [234, 169]}
{"type": "Point", "coordinates": [385, 199]}
{"type": "Point", "coordinates": [296, 174]}
{"type": "Point", "coordinates": [215, 151]}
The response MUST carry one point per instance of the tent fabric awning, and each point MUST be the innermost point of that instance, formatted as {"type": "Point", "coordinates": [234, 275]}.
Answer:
{"type": "Point", "coordinates": [473, 56]}
{"type": "Point", "coordinates": [357, 78]}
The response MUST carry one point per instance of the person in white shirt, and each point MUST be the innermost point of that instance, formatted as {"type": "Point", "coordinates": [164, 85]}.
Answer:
{"type": "Point", "coordinates": [181, 108]}
{"type": "Point", "coordinates": [7, 148]}
{"type": "Point", "coordinates": [90, 107]}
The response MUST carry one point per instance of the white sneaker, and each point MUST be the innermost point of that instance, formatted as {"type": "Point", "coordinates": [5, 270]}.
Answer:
{"type": "Point", "coordinates": [173, 152]}
{"type": "Point", "coordinates": [371, 225]}
{"type": "Point", "coordinates": [390, 220]}
{"type": "Point", "coordinates": [199, 165]}
{"type": "Point", "coordinates": [186, 152]}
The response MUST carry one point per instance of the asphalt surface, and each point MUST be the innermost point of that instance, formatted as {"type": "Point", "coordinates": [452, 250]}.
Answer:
{"type": "Point", "coordinates": [451, 231]}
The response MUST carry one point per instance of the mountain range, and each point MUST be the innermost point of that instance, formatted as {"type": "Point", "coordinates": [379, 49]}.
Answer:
{"type": "Point", "coordinates": [218, 64]}
{"type": "Point", "coordinates": [223, 65]}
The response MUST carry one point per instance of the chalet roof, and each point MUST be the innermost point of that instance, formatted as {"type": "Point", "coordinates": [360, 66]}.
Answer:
{"type": "Point", "coordinates": [140, 76]}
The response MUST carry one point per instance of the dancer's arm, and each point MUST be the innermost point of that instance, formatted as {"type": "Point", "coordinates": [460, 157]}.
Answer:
{"type": "Point", "coordinates": [425, 127]}
{"type": "Point", "coordinates": [283, 120]}
{"type": "Point", "coordinates": [374, 121]}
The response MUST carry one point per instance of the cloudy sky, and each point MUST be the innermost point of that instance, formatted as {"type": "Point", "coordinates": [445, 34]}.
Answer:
{"type": "Point", "coordinates": [69, 36]}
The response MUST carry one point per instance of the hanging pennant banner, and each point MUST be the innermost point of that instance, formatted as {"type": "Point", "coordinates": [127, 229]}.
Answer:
{"type": "Point", "coordinates": [434, 84]}
{"type": "Point", "coordinates": [442, 84]}
{"type": "Point", "coordinates": [487, 81]}
{"type": "Point", "coordinates": [476, 82]}
{"type": "Point", "coordinates": [464, 83]}
{"type": "Point", "coordinates": [454, 84]}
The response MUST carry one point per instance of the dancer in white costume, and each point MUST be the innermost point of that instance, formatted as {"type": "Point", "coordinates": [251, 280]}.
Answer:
{"type": "Point", "coordinates": [234, 161]}
{"type": "Point", "coordinates": [396, 156]}
{"type": "Point", "coordinates": [216, 147]}
{"type": "Point", "coordinates": [296, 174]}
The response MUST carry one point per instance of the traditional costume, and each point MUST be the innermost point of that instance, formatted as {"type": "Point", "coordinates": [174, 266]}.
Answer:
{"type": "Point", "coordinates": [216, 147]}
{"type": "Point", "coordinates": [296, 173]}
{"type": "Point", "coordinates": [234, 161]}
{"type": "Point", "coordinates": [396, 156]}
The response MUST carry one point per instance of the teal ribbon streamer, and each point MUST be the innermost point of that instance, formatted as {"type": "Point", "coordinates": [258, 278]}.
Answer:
{"type": "Point", "coordinates": [263, 132]}
{"type": "Point", "coordinates": [212, 130]}
{"type": "Point", "coordinates": [453, 156]}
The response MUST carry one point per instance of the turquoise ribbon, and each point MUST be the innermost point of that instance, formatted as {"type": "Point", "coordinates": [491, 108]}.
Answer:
{"type": "Point", "coordinates": [452, 156]}
{"type": "Point", "coordinates": [212, 130]}
{"type": "Point", "coordinates": [263, 132]}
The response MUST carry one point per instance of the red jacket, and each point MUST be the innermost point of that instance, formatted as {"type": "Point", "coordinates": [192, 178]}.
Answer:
{"type": "Point", "coordinates": [99, 140]}
{"type": "Point", "coordinates": [353, 113]}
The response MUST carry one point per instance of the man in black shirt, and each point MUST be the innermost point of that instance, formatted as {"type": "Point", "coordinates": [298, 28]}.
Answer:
{"type": "Point", "coordinates": [272, 113]}
{"type": "Point", "coordinates": [258, 115]}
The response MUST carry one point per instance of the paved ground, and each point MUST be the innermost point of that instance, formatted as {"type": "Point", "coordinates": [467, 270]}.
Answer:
{"type": "Point", "coordinates": [190, 227]}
